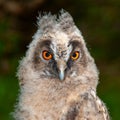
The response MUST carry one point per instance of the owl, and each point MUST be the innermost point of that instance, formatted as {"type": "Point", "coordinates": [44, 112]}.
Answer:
{"type": "Point", "coordinates": [58, 77]}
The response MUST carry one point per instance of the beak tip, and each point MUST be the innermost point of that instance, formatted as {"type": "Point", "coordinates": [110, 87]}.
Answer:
{"type": "Point", "coordinates": [61, 75]}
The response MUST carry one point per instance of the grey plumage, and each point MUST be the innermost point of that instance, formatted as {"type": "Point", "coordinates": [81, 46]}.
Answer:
{"type": "Point", "coordinates": [58, 76]}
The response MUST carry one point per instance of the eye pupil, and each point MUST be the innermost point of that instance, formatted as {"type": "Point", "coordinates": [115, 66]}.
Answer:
{"type": "Point", "coordinates": [47, 54]}
{"type": "Point", "coordinates": [74, 55]}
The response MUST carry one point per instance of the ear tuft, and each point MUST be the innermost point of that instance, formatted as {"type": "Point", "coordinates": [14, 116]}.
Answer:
{"type": "Point", "coordinates": [66, 21]}
{"type": "Point", "coordinates": [46, 21]}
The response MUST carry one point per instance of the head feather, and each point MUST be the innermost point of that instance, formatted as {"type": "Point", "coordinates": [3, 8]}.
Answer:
{"type": "Point", "coordinates": [48, 22]}
{"type": "Point", "coordinates": [66, 21]}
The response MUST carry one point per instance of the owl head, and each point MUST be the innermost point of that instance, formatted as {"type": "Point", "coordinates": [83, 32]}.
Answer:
{"type": "Point", "coordinates": [58, 53]}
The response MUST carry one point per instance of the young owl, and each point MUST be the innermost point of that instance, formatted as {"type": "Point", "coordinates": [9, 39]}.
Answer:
{"type": "Point", "coordinates": [58, 76]}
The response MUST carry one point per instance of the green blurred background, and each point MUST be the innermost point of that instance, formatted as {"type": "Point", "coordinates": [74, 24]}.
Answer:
{"type": "Point", "coordinates": [99, 21]}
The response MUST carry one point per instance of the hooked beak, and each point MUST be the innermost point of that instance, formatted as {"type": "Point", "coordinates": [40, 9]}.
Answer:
{"type": "Point", "coordinates": [61, 69]}
{"type": "Point", "coordinates": [61, 75]}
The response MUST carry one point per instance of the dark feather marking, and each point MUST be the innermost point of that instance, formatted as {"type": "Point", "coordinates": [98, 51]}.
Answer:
{"type": "Point", "coordinates": [74, 109]}
{"type": "Point", "coordinates": [62, 53]}
{"type": "Point", "coordinates": [72, 113]}
{"type": "Point", "coordinates": [44, 43]}
{"type": "Point", "coordinates": [36, 57]}
{"type": "Point", "coordinates": [76, 44]}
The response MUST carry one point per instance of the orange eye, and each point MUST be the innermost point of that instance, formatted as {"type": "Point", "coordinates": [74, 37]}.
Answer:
{"type": "Point", "coordinates": [46, 55]}
{"type": "Point", "coordinates": [75, 55]}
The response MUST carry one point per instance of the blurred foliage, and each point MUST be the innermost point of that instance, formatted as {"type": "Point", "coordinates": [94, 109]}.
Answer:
{"type": "Point", "coordinates": [99, 22]}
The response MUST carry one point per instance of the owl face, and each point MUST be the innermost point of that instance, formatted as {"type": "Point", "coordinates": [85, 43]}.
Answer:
{"type": "Point", "coordinates": [59, 56]}
{"type": "Point", "coordinates": [58, 53]}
